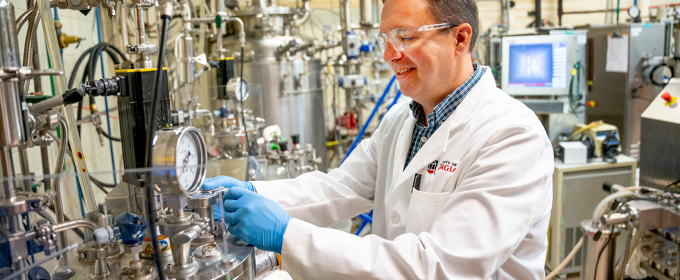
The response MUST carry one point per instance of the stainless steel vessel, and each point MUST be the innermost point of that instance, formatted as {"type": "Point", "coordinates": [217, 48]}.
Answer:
{"type": "Point", "coordinates": [214, 262]}
{"type": "Point", "coordinates": [281, 61]}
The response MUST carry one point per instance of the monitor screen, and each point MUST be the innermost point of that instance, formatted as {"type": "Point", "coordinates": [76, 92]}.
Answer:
{"type": "Point", "coordinates": [538, 65]}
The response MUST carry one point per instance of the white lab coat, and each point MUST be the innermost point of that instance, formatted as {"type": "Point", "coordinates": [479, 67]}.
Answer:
{"type": "Point", "coordinates": [485, 219]}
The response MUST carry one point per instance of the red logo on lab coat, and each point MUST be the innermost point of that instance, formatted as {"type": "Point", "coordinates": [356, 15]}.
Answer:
{"type": "Point", "coordinates": [432, 167]}
{"type": "Point", "coordinates": [447, 166]}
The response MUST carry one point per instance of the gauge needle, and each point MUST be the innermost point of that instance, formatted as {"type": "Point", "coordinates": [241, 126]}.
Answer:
{"type": "Point", "coordinates": [186, 160]}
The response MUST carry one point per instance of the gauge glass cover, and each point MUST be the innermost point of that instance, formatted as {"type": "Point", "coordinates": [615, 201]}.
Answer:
{"type": "Point", "coordinates": [187, 160]}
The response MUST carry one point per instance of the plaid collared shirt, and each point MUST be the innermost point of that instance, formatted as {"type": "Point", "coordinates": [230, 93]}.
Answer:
{"type": "Point", "coordinates": [424, 129]}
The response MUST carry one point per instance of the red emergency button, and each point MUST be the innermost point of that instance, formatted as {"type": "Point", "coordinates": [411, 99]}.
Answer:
{"type": "Point", "coordinates": [670, 100]}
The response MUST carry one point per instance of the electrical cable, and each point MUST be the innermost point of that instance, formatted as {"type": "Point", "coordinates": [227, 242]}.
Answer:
{"type": "Point", "coordinates": [153, 123]}
{"type": "Point", "coordinates": [100, 183]}
{"type": "Point", "coordinates": [108, 136]}
{"type": "Point", "coordinates": [665, 189]}
{"type": "Point", "coordinates": [573, 99]}
{"type": "Point", "coordinates": [243, 115]}
{"type": "Point", "coordinates": [651, 74]}
{"type": "Point", "coordinates": [597, 261]}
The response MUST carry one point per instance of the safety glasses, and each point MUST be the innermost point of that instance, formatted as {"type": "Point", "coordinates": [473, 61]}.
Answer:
{"type": "Point", "coordinates": [404, 37]}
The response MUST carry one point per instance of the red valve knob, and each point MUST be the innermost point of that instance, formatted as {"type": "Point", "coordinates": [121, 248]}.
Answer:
{"type": "Point", "coordinates": [667, 96]}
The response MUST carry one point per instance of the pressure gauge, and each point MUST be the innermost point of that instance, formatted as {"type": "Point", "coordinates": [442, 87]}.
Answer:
{"type": "Point", "coordinates": [237, 88]}
{"type": "Point", "coordinates": [634, 11]}
{"type": "Point", "coordinates": [179, 159]}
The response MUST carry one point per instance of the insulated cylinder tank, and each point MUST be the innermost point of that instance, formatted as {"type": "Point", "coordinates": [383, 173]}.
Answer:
{"type": "Point", "coordinates": [284, 78]}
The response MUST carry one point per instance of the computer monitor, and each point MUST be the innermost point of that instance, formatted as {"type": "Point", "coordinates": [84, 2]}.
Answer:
{"type": "Point", "coordinates": [537, 65]}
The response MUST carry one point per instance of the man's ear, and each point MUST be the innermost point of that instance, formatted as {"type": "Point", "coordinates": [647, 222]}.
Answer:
{"type": "Point", "coordinates": [463, 35]}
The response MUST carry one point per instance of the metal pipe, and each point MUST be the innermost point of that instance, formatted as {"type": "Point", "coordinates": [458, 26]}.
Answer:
{"type": "Point", "coordinates": [346, 15]}
{"type": "Point", "coordinates": [366, 12]}
{"type": "Point", "coordinates": [307, 12]}
{"type": "Point", "coordinates": [47, 216]}
{"type": "Point", "coordinates": [242, 34]}
{"type": "Point", "coordinates": [23, 18]}
{"type": "Point", "coordinates": [56, 185]}
{"type": "Point", "coordinates": [188, 40]}
{"type": "Point", "coordinates": [219, 10]}
{"type": "Point", "coordinates": [7, 174]}
{"type": "Point", "coordinates": [507, 11]}
{"type": "Point", "coordinates": [37, 83]}
{"type": "Point", "coordinates": [31, 40]}
{"type": "Point", "coordinates": [143, 60]}
{"type": "Point", "coordinates": [141, 35]}
{"type": "Point", "coordinates": [25, 169]}
{"type": "Point", "coordinates": [630, 227]}
{"type": "Point", "coordinates": [132, 199]}
{"type": "Point", "coordinates": [12, 125]}
{"type": "Point", "coordinates": [615, 218]}
{"type": "Point", "coordinates": [44, 155]}
{"type": "Point", "coordinates": [124, 24]}
{"type": "Point", "coordinates": [64, 226]}
{"type": "Point", "coordinates": [537, 14]}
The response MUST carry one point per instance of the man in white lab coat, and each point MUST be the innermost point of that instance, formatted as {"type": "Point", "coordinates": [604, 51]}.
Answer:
{"type": "Point", "coordinates": [460, 179]}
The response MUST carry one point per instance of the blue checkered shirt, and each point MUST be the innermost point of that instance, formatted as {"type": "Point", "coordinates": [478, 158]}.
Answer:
{"type": "Point", "coordinates": [424, 129]}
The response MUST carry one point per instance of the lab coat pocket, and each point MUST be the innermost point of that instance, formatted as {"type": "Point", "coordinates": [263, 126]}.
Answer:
{"type": "Point", "coordinates": [423, 209]}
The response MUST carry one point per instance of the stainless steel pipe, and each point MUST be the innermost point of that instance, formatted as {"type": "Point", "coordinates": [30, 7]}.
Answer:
{"type": "Point", "coordinates": [56, 185]}
{"type": "Point", "coordinates": [31, 41]}
{"type": "Point", "coordinates": [61, 227]}
{"type": "Point", "coordinates": [12, 125]}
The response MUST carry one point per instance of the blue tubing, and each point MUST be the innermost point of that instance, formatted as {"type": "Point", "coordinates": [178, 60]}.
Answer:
{"type": "Point", "coordinates": [370, 118]}
{"type": "Point", "coordinates": [366, 220]}
{"type": "Point", "coordinates": [396, 98]}
{"type": "Point", "coordinates": [366, 217]}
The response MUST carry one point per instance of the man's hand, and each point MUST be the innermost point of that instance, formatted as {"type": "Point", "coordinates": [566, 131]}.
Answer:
{"type": "Point", "coordinates": [256, 219]}
{"type": "Point", "coordinates": [227, 182]}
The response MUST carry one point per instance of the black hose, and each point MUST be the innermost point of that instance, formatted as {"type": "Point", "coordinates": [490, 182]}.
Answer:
{"type": "Point", "coordinates": [100, 183]}
{"type": "Point", "coordinates": [243, 116]}
{"type": "Point", "coordinates": [651, 74]}
{"type": "Point", "coordinates": [122, 55]}
{"type": "Point", "coordinates": [76, 66]}
{"type": "Point", "coordinates": [90, 69]}
{"type": "Point", "coordinates": [151, 129]}
{"type": "Point", "coordinates": [110, 137]}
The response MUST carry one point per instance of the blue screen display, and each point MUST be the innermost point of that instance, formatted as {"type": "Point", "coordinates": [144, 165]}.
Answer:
{"type": "Point", "coordinates": [538, 65]}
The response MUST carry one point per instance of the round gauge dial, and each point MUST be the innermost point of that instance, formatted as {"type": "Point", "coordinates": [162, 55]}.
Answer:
{"type": "Point", "coordinates": [237, 88]}
{"type": "Point", "coordinates": [186, 160]}
{"type": "Point", "coordinates": [179, 159]}
{"type": "Point", "coordinates": [634, 11]}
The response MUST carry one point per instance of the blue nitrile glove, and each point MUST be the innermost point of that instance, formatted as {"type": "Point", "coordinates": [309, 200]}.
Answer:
{"type": "Point", "coordinates": [256, 219]}
{"type": "Point", "coordinates": [227, 182]}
